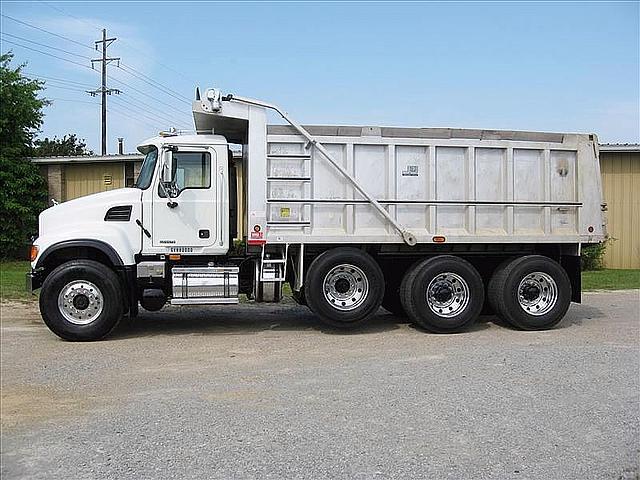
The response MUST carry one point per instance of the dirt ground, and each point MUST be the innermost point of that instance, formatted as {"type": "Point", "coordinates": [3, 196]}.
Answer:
{"type": "Point", "coordinates": [266, 391]}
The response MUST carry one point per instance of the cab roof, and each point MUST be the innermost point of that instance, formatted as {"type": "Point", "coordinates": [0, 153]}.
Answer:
{"type": "Point", "coordinates": [206, 139]}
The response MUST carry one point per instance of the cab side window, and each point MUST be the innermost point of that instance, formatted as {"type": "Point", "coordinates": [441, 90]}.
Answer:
{"type": "Point", "coordinates": [191, 170]}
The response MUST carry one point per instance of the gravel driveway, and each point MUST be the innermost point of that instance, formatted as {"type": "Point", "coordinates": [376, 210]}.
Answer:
{"type": "Point", "coordinates": [265, 391]}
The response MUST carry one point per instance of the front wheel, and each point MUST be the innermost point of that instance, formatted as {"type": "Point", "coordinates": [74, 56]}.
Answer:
{"type": "Point", "coordinates": [81, 300]}
{"type": "Point", "coordinates": [344, 287]}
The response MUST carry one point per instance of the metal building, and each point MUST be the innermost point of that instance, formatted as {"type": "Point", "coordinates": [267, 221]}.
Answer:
{"type": "Point", "coordinates": [620, 170]}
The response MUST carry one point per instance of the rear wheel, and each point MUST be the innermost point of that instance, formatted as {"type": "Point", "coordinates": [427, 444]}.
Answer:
{"type": "Point", "coordinates": [344, 287]}
{"type": "Point", "coordinates": [531, 292]}
{"type": "Point", "coordinates": [442, 294]}
{"type": "Point", "coordinates": [81, 300]}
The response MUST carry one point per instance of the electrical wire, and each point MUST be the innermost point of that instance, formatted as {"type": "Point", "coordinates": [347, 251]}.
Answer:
{"type": "Point", "coordinates": [48, 54]}
{"type": "Point", "coordinates": [65, 88]}
{"type": "Point", "coordinates": [123, 103]}
{"type": "Point", "coordinates": [54, 79]}
{"type": "Point", "coordinates": [141, 76]}
{"type": "Point", "coordinates": [155, 99]}
{"type": "Point", "coordinates": [146, 54]}
{"type": "Point", "coordinates": [46, 46]}
{"type": "Point", "coordinates": [92, 25]}
{"type": "Point", "coordinates": [46, 31]}
{"type": "Point", "coordinates": [71, 100]}
{"type": "Point", "coordinates": [156, 112]}
{"type": "Point", "coordinates": [125, 115]}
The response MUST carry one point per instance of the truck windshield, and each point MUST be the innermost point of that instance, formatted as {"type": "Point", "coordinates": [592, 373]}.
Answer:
{"type": "Point", "coordinates": [147, 169]}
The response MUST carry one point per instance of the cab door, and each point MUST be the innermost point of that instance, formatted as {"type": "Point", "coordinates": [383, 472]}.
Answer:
{"type": "Point", "coordinates": [189, 218]}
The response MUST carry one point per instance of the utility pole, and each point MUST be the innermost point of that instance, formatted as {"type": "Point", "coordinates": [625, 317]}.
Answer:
{"type": "Point", "coordinates": [103, 90]}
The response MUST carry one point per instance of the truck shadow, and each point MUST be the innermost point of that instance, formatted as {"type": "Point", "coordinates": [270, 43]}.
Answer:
{"type": "Point", "coordinates": [247, 319]}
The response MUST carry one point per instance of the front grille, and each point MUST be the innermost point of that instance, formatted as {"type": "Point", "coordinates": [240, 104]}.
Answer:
{"type": "Point", "coordinates": [121, 213]}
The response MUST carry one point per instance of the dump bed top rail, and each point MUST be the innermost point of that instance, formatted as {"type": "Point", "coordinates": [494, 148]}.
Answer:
{"type": "Point", "coordinates": [408, 132]}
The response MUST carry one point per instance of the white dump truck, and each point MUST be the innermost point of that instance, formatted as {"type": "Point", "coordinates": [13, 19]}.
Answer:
{"type": "Point", "coordinates": [434, 224]}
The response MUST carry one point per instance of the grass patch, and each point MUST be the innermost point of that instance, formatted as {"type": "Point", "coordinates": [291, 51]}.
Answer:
{"type": "Point", "coordinates": [12, 280]}
{"type": "Point", "coordinates": [610, 279]}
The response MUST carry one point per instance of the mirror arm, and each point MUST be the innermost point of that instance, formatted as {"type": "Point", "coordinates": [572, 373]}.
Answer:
{"type": "Point", "coordinates": [170, 203]}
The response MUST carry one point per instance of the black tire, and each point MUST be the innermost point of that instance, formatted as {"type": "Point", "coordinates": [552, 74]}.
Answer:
{"type": "Point", "coordinates": [505, 289]}
{"type": "Point", "coordinates": [109, 287]}
{"type": "Point", "coordinates": [430, 315]}
{"type": "Point", "coordinates": [368, 299]}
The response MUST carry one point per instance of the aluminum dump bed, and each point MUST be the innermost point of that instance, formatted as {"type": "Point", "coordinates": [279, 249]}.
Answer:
{"type": "Point", "coordinates": [469, 186]}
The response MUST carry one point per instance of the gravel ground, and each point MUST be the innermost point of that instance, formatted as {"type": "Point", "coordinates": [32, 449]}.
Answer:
{"type": "Point", "coordinates": [267, 392]}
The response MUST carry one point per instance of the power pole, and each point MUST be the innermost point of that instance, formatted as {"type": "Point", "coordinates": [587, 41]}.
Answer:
{"type": "Point", "coordinates": [103, 90]}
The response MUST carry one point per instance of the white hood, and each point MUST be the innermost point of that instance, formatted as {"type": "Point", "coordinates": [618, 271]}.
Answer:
{"type": "Point", "coordinates": [84, 218]}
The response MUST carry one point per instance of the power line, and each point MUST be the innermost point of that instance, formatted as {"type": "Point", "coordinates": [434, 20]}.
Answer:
{"type": "Point", "coordinates": [156, 112]}
{"type": "Point", "coordinates": [46, 31]}
{"type": "Point", "coordinates": [47, 53]}
{"type": "Point", "coordinates": [65, 88]}
{"type": "Point", "coordinates": [123, 42]}
{"type": "Point", "coordinates": [128, 69]}
{"type": "Point", "coordinates": [141, 76]}
{"type": "Point", "coordinates": [123, 114]}
{"type": "Point", "coordinates": [155, 99]}
{"type": "Point", "coordinates": [143, 113]}
{"type": "Point", "coordinates": [130, 98]}
{"type": "Point", "coordinates": [71, 100]}
{"type": "Point", "coordinates": [70, 16]}
{"type": "Point", "coordinates": [54, 79]}
{"type": "Point", "coordinates": [46, 46]}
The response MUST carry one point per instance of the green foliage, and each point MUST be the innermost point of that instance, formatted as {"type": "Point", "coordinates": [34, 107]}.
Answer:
{"type": "Point", "coordinates": [23, 191]}
{"type": "Point", "coordinates": [57, 147]}
{"type": "Point", "coordinates": [592, 256]}
{"type": "Point", "coordinates": [611, 280]}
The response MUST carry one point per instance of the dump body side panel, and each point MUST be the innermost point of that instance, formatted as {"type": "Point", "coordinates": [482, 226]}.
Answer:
{"type": "Point", "coordinates": [542, 188]}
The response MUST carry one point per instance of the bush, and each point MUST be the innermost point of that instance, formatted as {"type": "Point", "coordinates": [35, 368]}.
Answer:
{"type": "Point", "coordinates": [593, 255]}
{"type": "Point", "coordinates": [23, 192]}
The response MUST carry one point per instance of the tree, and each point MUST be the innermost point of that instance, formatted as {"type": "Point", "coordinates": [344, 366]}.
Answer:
{"type": "Point", "coordinates": [68, 145]}
{"type": "Point", "coordinates": [23, 191]}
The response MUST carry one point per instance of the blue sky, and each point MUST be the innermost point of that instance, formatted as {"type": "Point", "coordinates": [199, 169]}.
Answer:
{"type": "Point", "coordinates": [568, 67]}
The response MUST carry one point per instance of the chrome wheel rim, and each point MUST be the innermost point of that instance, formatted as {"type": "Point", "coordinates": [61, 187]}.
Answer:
{"type": "Point", "coordinates": [448, 294]}
{"type": "Point", "coordinates": [80, 302]}
{"type": "Point", "coordinates": [345, 287]}
{"type": "Point", "coordinates": [537, 293]}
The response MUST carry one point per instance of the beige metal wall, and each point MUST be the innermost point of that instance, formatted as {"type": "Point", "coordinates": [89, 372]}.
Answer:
{"type": "Point", "coordinates": [621, 185]}
{"type": "Point", "coordinates": [84, 179]}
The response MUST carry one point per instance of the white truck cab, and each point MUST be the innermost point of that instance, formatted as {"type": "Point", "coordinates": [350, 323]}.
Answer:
{"type": "Point", "coordinates": [421, 221]}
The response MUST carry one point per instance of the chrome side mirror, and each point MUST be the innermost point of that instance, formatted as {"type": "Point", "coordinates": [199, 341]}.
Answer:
{"type": "Point", "coordinates": [166, 166]}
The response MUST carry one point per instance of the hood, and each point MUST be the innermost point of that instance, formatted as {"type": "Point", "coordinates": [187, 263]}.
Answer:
{"type": "Point", "coordinates": [91, 208]}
